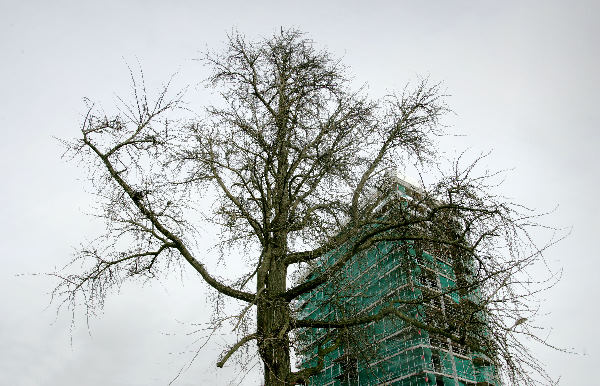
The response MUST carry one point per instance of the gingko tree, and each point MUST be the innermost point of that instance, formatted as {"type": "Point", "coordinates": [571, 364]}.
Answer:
{"type": "Point", "coordinates": [296, 164]}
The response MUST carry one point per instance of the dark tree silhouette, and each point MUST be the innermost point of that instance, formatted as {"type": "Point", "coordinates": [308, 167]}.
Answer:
{"type": "Point", "coordinates": [298, 164]}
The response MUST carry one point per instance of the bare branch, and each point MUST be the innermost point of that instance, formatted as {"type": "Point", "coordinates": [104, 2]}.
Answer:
{"type": "Point", "coordinates": [235, 347]}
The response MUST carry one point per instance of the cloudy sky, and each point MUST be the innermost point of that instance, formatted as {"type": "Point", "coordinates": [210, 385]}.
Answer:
{"type": "Point", "coordinates": [523, 78]}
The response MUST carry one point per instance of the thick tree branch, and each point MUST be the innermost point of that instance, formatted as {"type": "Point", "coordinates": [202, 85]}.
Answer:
{"type": "Point", "coordinates": [389, 311]}
{"type": "Point", "coordinates": [133, 195]}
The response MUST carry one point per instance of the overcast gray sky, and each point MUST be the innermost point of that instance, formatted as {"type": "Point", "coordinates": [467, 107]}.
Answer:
{"type": "Point", "coordinates": [523, 78]}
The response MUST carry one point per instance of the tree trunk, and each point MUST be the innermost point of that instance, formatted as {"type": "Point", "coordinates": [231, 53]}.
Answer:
{"type": "Point", "coordinates": [273, 316]}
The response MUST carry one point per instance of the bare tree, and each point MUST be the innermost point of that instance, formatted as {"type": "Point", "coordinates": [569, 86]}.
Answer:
{"type": "Point", "coordinates": [298, 166]}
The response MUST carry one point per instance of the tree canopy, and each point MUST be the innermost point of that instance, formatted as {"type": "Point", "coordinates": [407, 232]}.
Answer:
{"type": "Point", "coordinates": [297, 164]}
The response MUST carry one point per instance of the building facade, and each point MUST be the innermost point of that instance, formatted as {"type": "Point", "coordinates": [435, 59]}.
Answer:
{"type": "Point", "coordinates": [390, 351]}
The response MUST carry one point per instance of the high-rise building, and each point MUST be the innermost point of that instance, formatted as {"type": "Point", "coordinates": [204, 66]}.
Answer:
{"type": "Point", "coordinates": [390, 351]}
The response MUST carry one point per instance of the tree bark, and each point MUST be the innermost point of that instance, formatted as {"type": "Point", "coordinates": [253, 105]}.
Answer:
{"type": "Point", "coordinates": [273, 319]}
{"type": "Point", "coordinates": [273, 312]}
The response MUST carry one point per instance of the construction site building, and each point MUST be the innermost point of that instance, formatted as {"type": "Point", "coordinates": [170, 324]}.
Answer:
{"type": "Point", "coordinates": [389, 351]}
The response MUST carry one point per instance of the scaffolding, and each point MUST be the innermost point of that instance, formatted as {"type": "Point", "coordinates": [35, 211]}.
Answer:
{"type": "Point", "coordinates": [389, 351]}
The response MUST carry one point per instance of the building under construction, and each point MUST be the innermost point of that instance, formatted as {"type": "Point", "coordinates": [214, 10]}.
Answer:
{"type": "Point", "coordinates": [389, 351]}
